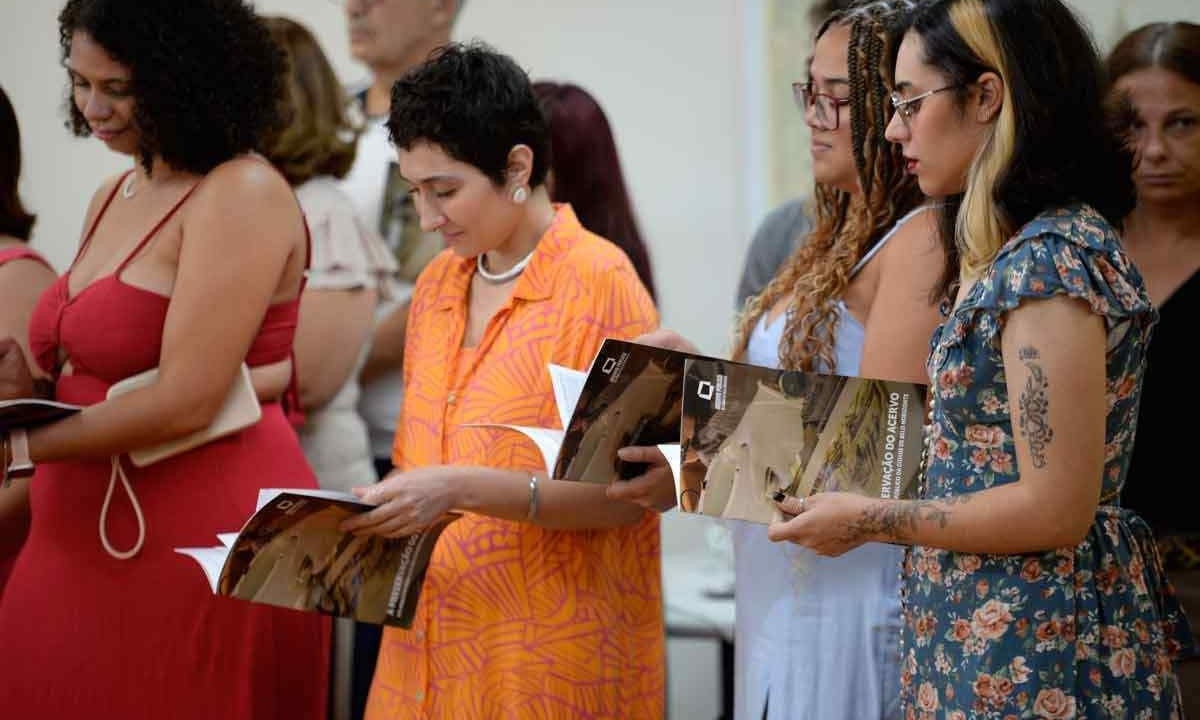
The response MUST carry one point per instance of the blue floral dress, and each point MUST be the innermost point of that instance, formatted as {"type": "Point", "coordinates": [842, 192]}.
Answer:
{"type": "Point", "coordinates": [1079, 632]}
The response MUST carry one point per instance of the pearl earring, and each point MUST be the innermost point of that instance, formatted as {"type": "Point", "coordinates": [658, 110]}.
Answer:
{"type": "Point", "coordinates": [519, 195]}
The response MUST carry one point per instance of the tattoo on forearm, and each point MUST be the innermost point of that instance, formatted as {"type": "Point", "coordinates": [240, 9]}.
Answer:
{"type": "Point", "coordinates": [897, 521]}
{"type": "Point", "coordinates": [1034, 403]}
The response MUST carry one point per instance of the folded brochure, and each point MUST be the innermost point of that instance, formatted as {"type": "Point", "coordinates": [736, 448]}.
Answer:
{"type": "Point", "coordinates": [291, 554]}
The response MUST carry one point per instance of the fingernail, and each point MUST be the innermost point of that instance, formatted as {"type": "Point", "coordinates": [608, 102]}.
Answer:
{"type": "Point", "coordinates": [779, 496]}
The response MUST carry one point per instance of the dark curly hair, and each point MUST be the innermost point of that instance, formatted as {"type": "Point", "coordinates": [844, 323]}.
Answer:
{"type": "Point", "coordinates": [476, 105]}
{"type": "Point", "coordinates": [205, 75]}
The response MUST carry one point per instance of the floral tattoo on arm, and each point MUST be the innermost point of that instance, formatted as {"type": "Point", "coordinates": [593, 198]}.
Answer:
{"type": "Point", "coordinates": [898, 520]}
{"type": "Point", "coordinates": [1034, 404]}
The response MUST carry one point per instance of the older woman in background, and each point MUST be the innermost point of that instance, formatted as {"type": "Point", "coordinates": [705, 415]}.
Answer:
{"type": "Point", "coordinates": [1155, 73]}
{"type": "Point", "coordinates": [544, 599]}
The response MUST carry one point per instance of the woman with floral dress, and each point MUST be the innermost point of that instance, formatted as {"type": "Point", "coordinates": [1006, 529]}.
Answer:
{"type": "Point", "coordinates": [1028, 591]}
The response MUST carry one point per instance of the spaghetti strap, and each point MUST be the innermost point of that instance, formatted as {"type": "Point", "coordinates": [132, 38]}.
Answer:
{"type": "Point", "coordinates": [87, 237]}
{"type": "Point", "coordinates": [157, 226]}
{"type": "Point", "coordinates": [883, 241]}
{"type": "Point", "coordinates": [21, 252]}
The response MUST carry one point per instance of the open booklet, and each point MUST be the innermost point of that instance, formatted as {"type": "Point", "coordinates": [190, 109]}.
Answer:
{"type": "Point", "coordinates": [734, 434]}
{"type": "Point", "coordinates": [290, 553]}
{"type": "Point", "coordinates": [631, 395]}
{"type": "Point", "coordinates": [31, 412]}
{"type": "Point", "coordinates": [749, 433]}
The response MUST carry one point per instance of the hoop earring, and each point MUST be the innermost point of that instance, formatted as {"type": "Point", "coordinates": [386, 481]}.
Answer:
{"type": "Point", "coordinates": [520, 195]}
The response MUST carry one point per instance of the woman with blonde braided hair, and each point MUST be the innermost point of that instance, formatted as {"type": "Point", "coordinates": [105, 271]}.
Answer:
{"type": "Point", "coordinates": [818, 637]}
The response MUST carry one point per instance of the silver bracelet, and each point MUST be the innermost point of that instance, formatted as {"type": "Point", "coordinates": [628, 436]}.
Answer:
{"type": "Point", "coordinates": [533, 498]}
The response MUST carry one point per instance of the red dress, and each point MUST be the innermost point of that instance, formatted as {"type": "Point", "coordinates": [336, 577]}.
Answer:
{"type": "Point", "coordinates": [7, 255]}
{"type": "Point", "coordinates": [85, 635]}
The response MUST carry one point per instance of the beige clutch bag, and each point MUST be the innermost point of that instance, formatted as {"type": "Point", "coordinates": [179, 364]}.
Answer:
{"type": "Point", "coordinates": [241, 410]}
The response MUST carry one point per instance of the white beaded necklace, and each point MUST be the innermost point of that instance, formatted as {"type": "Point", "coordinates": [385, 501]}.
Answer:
{"type": "Point", "coordinates": [509, 274]}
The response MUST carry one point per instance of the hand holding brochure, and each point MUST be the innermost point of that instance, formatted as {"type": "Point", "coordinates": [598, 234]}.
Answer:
{"type": "Point", "coordinates": [751, 432]}
{"type": "Point", "coordinates": [291, 554]}
{"type": "Point", "coordinates": [631, 395]}
{"type": "Point", "coordinates": [734, 434]}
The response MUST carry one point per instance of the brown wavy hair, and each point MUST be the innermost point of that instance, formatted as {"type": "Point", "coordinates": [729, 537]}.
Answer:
{"type": "Point", "coordinates": [845, 226]}
{"type": "Point", "coordinates": [320, 136]}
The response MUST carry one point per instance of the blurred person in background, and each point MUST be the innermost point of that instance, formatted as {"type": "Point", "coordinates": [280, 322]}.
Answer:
{"type": "Point", "coordinates": [1155, 77]}
{"type": "Point", "coordinates": [585, 170]}
{"type": "Point", "coordinates": [349, 271]}
{"type": "Point", "coordinates": [389, 37]}
{"type": "Point", "coordinates": [24, 274]}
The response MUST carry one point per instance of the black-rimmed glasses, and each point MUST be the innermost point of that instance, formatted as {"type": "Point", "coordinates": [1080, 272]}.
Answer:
{"type": "Point", "coordinates": [825, 106]}
{"type": "Point", "coordinates": [907, 107]}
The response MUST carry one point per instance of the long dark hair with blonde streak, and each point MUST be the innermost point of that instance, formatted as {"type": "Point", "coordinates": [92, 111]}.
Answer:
{"type": "Point", "coordinates": [846, 226]}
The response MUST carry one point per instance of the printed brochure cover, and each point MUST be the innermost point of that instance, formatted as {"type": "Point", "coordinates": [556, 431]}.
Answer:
{"type": "Point", "coordinates": [291, 554]}
{"type": "Point", "coordinates": [748, 433]}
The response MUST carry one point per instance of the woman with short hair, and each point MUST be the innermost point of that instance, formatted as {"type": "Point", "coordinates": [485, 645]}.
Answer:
{"type": "Point", "coordinates": [544, 599]}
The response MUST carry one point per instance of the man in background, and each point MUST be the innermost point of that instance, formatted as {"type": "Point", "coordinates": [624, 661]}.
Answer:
{"type": "Point", "coordinates": [389, 37]}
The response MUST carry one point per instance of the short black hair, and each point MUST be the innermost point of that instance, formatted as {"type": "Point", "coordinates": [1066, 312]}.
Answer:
{"type": "Point", "coordinates": [474, 103]}
{"type": "Point", "coordinates": [205, 75]}
{"type": "Point", "coordinates": [1064, 150]}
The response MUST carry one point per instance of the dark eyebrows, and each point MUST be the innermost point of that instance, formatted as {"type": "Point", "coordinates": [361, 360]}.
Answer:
{"type": "Point", "coordinates": [829, 82]}
{"type": "Point", "coordinates": [903, 85]}
{"type": "Point", "coordinates": [430, 179]}
{"type": "Point", "coordinates": [123, 82]}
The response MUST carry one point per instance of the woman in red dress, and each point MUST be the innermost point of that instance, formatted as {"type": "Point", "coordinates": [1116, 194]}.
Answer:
{"type": "Point", "coordinates": [192, 263]}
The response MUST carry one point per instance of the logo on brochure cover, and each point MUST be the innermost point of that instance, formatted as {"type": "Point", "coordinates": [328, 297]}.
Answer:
{"type": "Point", "coordinates": [713, 392]}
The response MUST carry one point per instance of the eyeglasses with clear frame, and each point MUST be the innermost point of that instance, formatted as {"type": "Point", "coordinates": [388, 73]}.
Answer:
{"type": "Point", "coordinates": [826, 106]}
{"type": "Point", "coordinates": [907, 107]}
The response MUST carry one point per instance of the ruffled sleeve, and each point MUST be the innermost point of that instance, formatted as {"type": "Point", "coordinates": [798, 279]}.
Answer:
{"type": "Point", "coordinates": [346, 254]}
{"type": "Point", "coordinates": [1072, 252]}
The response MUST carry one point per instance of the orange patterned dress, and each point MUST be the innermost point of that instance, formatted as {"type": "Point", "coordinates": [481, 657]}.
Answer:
{"type": "Point", "coordinates": [516, 621]}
